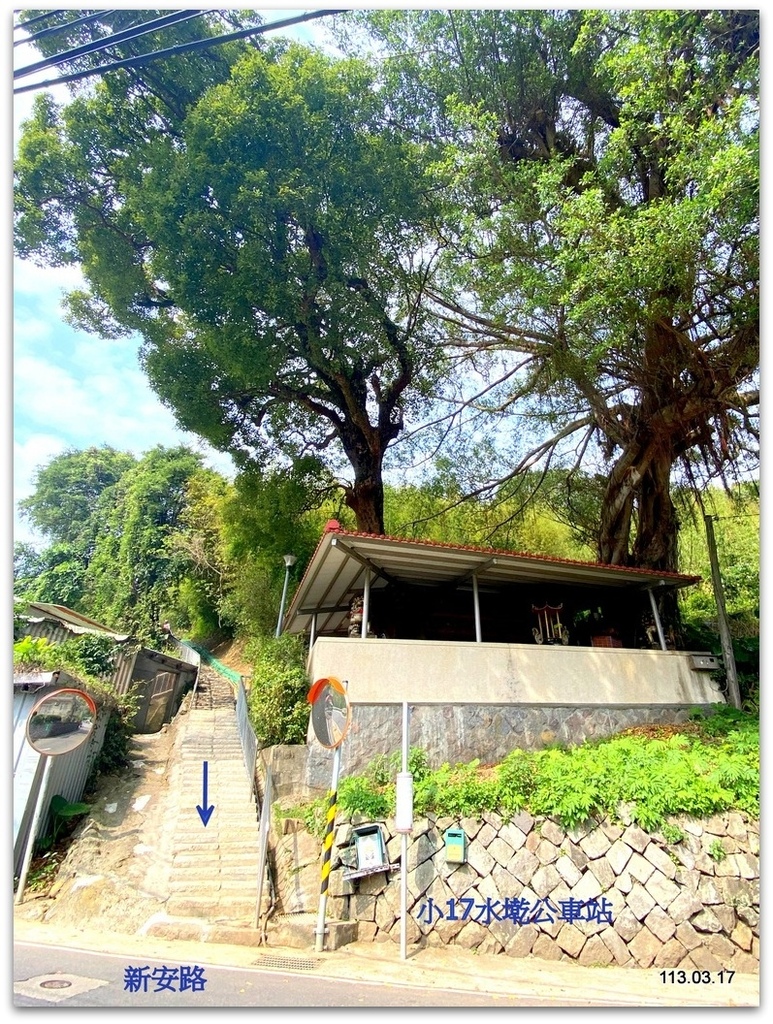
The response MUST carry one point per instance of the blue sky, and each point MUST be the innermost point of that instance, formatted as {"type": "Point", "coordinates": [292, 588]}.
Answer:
{"type": "Point", "coordinates": [74, 390]}
{"type": "Point", "coordinates": [71, 389]}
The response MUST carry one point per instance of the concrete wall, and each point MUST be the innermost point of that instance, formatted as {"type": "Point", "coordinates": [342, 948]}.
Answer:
{"type": "Point", "coordinates": [427, 672]}
{"type": "Point", "coordinates": [472, 700]}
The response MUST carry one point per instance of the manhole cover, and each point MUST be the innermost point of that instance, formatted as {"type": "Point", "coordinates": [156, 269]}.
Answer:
{"type": "Point", "coordinates": [289, 963]}
{"type": "Point", "coordinates": [56, 988]}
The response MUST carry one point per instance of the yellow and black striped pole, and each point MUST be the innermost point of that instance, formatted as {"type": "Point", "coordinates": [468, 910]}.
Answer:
{"type": "Point", "coordinates": [329, 828]}
{"type": "Point", "coordinates": [328, 850]}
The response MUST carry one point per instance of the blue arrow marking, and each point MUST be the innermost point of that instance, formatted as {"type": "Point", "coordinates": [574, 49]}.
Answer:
{"type": "Point", "coordinates": [205, 813]}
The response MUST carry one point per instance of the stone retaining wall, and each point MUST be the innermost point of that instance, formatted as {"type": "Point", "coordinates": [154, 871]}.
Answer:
{"type": "Point", "coordinates": [600, 894]}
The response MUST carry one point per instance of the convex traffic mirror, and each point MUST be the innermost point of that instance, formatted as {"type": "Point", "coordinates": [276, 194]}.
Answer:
{"type": "Point", "coordinates": [330, 711]}
{"type": "Point", "coordinates": [61, 721]}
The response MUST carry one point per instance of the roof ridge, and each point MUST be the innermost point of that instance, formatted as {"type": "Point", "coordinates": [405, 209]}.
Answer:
{"type": "Point", "coordinates": [514, 554]}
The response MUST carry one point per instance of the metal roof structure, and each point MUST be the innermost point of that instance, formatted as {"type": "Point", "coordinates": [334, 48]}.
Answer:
{"type": "Point", "coordinates": [338, 568]}
{"type": "Point", "coordinates": [38, 611]}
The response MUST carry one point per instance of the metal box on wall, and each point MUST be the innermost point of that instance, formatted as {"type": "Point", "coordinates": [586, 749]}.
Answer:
{"type": "Point", "coordinates": [456, 845]}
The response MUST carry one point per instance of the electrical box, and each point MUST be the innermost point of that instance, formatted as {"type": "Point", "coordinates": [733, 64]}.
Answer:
{"type": "Point", "coordinates": [456, 846]}
{"type": "Point", "coordinates": [705, 662]}
{"type": "Point", "coordinates": [367, 854]}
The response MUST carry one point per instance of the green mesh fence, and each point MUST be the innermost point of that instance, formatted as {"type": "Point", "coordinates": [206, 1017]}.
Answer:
{"type": "Point", "coordinates": [218, 666]}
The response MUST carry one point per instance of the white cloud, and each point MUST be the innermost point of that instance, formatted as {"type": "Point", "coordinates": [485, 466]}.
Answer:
{"type": "Point", "coordinates": [28, 456]}
{"type": "Point", "coordinates": [75, 390]}
{"type": "Point", "coordinates": [44, 282]}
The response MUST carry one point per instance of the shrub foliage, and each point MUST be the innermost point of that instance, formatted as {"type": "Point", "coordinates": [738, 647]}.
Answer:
{"type": "Point", "coordinates": [277, 699]}
{"type": "Point", "coordinates": [711, 765]}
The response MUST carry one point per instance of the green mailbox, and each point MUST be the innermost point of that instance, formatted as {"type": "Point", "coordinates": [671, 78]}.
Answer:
{"type": "Point", "coordinates": [456, 846]}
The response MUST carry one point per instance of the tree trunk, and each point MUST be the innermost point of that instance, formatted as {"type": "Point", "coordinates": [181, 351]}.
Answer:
{"type": "Point", "coordinates": [648, 538]}
{"type": "Point", "coordinates": [366, 499]}
{"type": "Point", "coordinates": [657, 527]}
{"type": "Point", "coordinates": [616, 512]}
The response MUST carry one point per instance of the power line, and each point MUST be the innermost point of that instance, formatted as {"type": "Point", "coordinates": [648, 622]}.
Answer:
{"type": "Point", "coordinates": [37, 18]}
{"type": "Point", "coordinates": [101, 44]}
{"type": "Point", "coordinates": [741, 515]}
{"type": "Point", "coordinates": [199, 44]}
{"type": "Point", "coordinates": [56, 28]}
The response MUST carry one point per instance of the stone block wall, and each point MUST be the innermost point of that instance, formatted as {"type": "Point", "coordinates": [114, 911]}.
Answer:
{"type": "Point", "coordinates": [602, 894]}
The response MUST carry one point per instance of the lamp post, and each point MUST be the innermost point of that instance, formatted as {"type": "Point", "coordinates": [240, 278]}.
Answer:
{"type": "Point", "coordinates": [290, 560]}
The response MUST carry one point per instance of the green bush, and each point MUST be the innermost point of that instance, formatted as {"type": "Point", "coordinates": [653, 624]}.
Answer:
{"type": "Point", "coordinates": [357, 795]}
{"type": "Point", "coordinates": [95, 655]}
{"type": "Point", "coordinates": [116, 745]}
{"type": "Point", "coordinates": [30, 652]}
{"type": "Point", "coordinates": [278, 709]}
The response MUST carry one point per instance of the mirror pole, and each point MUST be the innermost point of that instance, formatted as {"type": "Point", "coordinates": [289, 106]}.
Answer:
{"type": "Point", "coordinates": [33, 833]}
{"type": "Point", "coordinates": [319, 943]}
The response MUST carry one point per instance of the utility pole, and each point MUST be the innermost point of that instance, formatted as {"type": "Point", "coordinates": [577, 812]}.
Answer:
{"type": "Point", "coordinates": [724, 626]}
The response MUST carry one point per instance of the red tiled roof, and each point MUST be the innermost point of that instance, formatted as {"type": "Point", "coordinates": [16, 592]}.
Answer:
{"type": "Point", "coordinates": [441, 545]}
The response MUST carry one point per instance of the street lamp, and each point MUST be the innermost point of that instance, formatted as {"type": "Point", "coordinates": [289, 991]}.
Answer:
{"type": "Point", "coordinates": [290, 560]}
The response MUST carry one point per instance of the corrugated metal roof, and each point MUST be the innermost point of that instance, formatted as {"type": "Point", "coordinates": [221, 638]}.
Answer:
{"type": "Point", "coordinates": [74, 621]}
{"type": "Point", "coordinates": [338, 567]}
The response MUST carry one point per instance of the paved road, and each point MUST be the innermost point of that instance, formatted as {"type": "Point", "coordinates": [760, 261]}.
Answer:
{"type": "Point", "coordinates": [59, 976]}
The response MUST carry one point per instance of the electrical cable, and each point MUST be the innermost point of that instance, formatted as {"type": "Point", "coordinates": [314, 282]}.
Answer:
{"type": "Point", "coordinates": [57, 28]}
{"type": "Point", "coordinates": [101, 44]}
{"type": "Point", "coordinates": [174, 50]}
{"type": "Point", "coordinates": [37, 18]}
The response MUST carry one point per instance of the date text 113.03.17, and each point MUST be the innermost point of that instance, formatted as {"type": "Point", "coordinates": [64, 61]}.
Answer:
{"type": "Point", "coordinates": [696, 977]}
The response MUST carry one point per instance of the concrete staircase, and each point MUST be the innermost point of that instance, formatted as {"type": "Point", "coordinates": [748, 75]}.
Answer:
{"type": "Point", "coordinates": [213, 869]}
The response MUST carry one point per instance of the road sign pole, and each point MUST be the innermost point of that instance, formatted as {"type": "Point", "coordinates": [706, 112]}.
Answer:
{"type": "Point", "coordinates": [328, 849]}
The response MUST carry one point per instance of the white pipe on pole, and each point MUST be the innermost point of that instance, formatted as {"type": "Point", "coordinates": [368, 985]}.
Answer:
{"type": "Point", "coordinates": [476, 601]}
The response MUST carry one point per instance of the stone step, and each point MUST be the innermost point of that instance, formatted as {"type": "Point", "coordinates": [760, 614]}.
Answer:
{"type": "Point", "coordinates": [222, 908]}
{"type": "Point", "coordinates": [213, 874]}
{"type": "Point", "coordinates": [191, 929]}
{"type": "Point", "coordinates": [298, 931]}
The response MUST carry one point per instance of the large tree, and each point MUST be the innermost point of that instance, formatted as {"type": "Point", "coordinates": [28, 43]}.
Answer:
{"type": "Point", "coordinates": [71, 491]}
{"type": "Point", "coordinates": [112, 523]}
{"type": "Point", "coordinates": [603, 221]}
{"type": "Point", "coordinates": [73, 496]}
{"type": "Point", "coordinates": [136, 568]}
{"type": "Point", "coordinates": [269, 241]}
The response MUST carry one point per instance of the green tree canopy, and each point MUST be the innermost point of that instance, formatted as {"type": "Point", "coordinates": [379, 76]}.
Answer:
{"type": "Point", "coordinates": [270, 245]}
{"type": "Point", "coordinates": [134, 572]}
{"type": "Point", "coordinates": [70, 488]}
{"type": "Point", "coordinates": [602, 222]}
